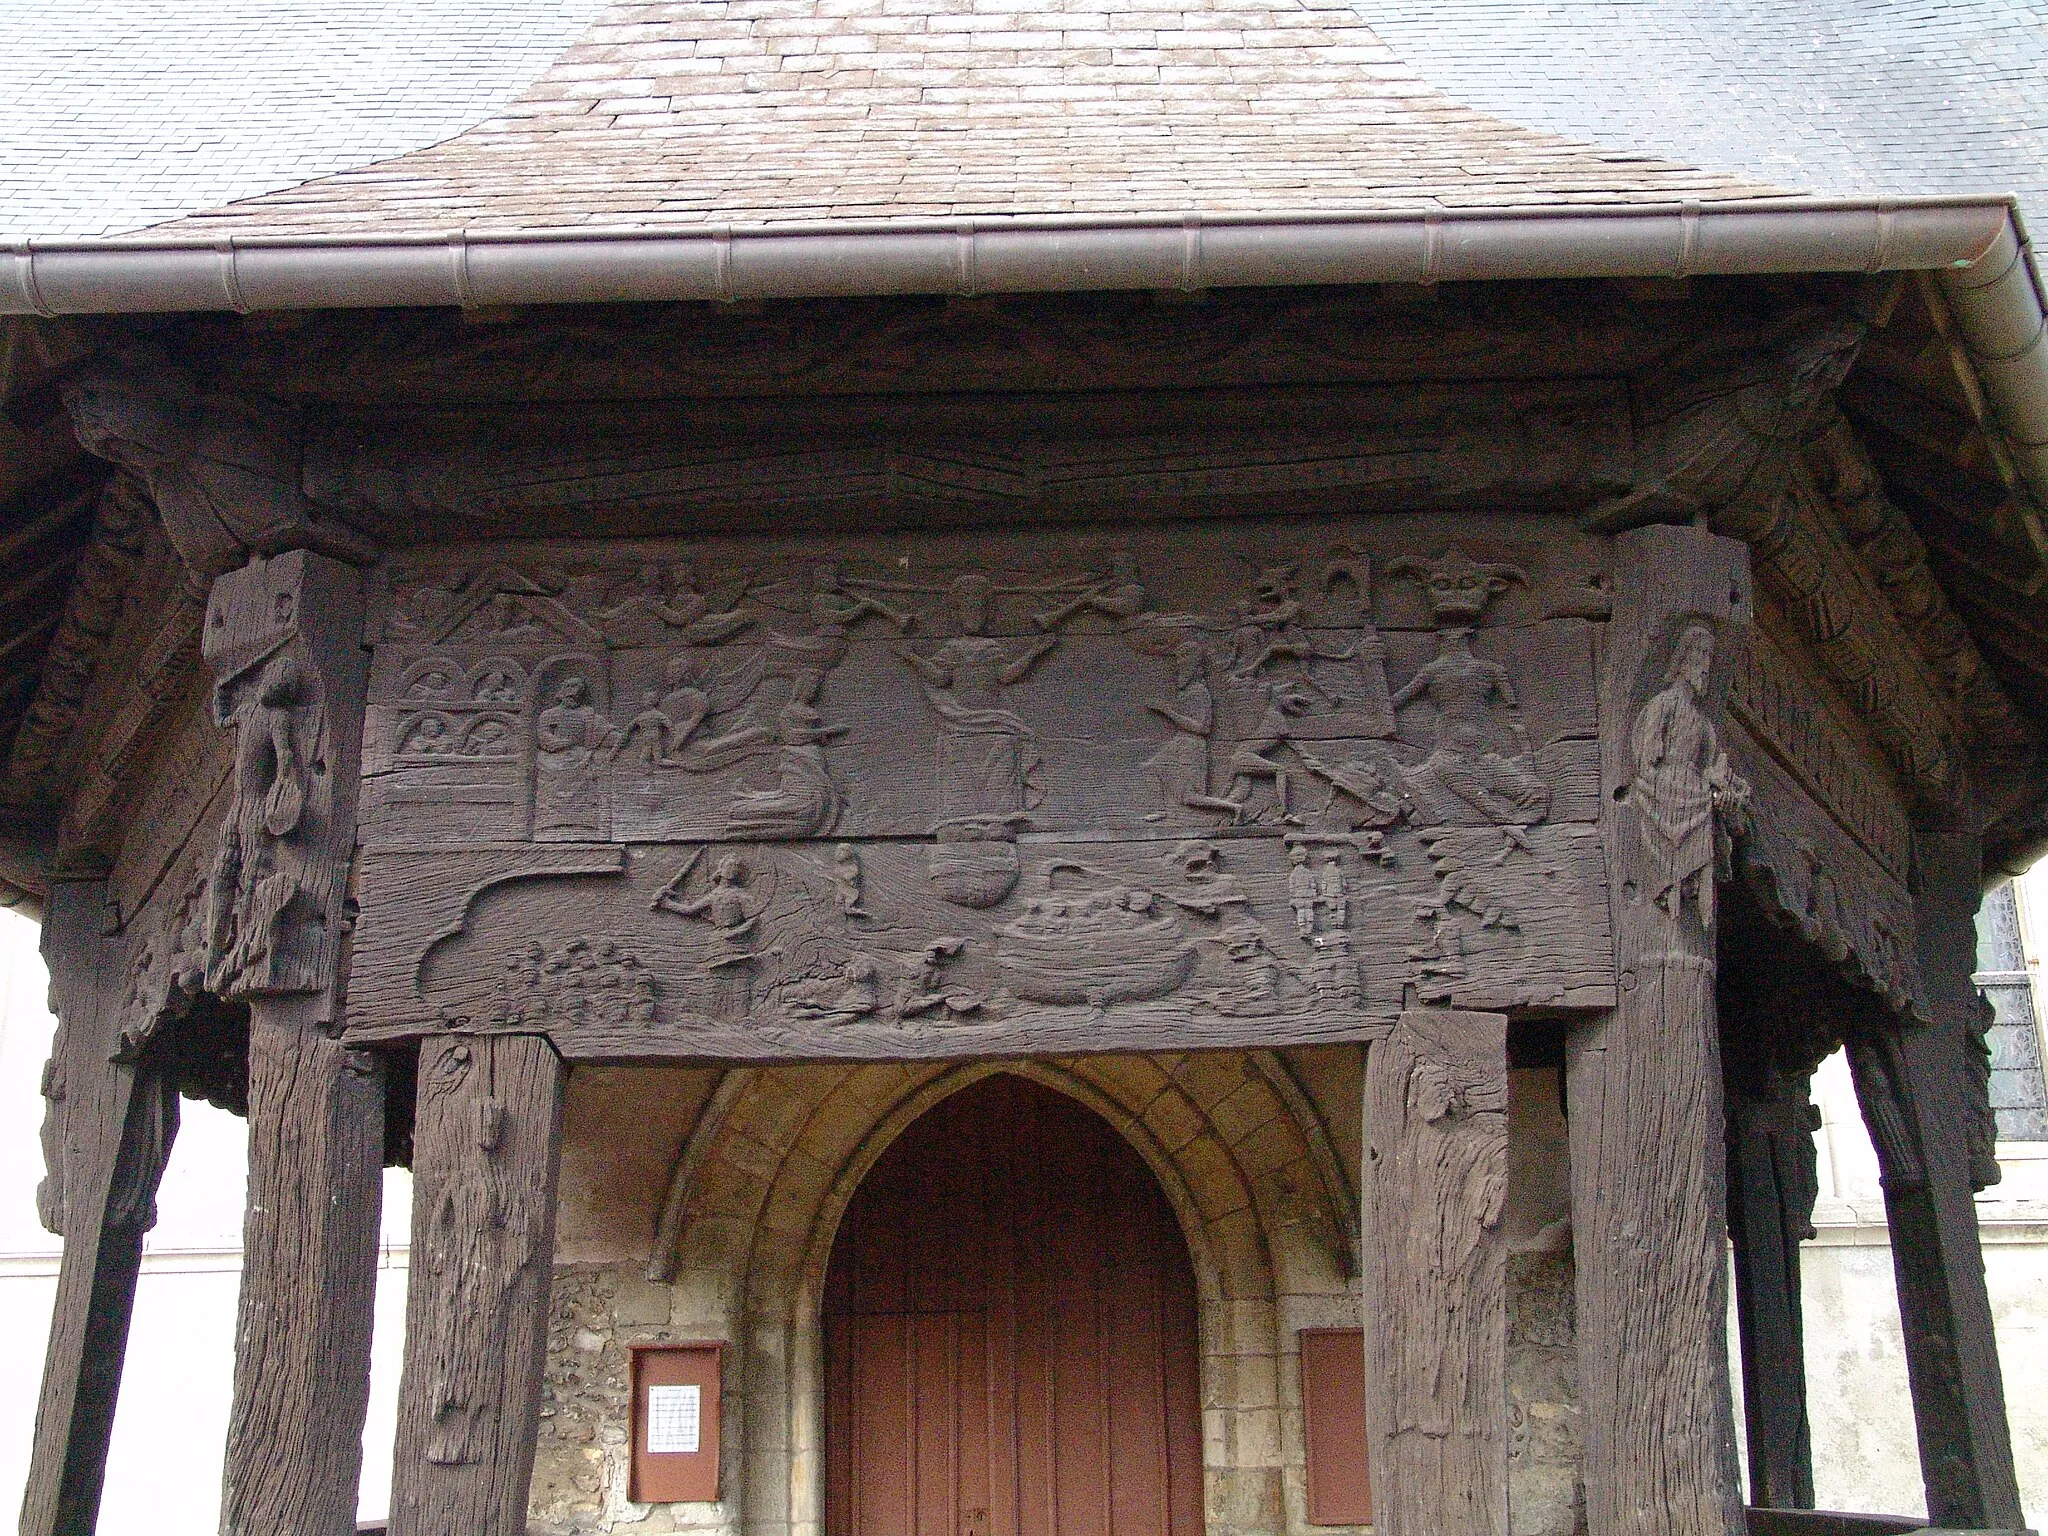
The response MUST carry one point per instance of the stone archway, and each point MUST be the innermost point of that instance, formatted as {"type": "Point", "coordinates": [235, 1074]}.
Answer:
{"type": "Point", "coordinates": [768, 1183]}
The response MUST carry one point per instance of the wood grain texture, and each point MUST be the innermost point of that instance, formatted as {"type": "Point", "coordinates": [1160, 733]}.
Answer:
{"type": "Point", "coordinates": [309, 1243]}
{"type": "Point", "coordinates": [283, 637]}
{"type": "Point", "coordinates": [107, 1135]}
{"type": "Point", "coordinates": [864, 462]}
{"type": "Point", "coordinates": [1644, 1085]}
{"type": "Point", "coordinates": [1433, 1193]}
{"type": "Point", "coordinates": [956, 795]}
{"type": "Point", "coordinates": [1771, 1189]}
{"type": "Point", "coordinates": [1924, 1099]}
{"type": "Point", "coordinates": [486, 1152]}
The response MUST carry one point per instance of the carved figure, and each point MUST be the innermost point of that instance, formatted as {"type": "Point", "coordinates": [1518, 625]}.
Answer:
{"type": "Point", "coordinates": [476, 1249]}
{"type": "Point", "coordinates": [1204, 887]}
{"type": "Point", "coordinates": [1332, 971]}
{"type": "Point", "coordinates": [1467, 780]}
{"type": "Point", "coordinates": [988, 759]}
{"type": "Point", "coordinates": [50, 1193]}
{"type": "Point", "coordinates": [645, 737]}
{"type": "Point", "coordinates": [804, 801]}
{"type": "Point", "coordinates": [1457, 587]}
{"type": "Point", "coordinates": [1727, 428]}
{"type": "Point", "coordinates": [430, 682]}
{"type": "Point", "coordinates": [1370, 783]}
{"type": "Point", "coordinates": [491, 736]}
{"type": "Point", "coordinates": [847, 881]}
{"type": "Point", "coordinates": [1333, 897]}
{"type": "Point", "coordinates": [569, 738]}
{"type": "Point", "coordinates": [1252, 761]}
{"type": "Point", "coordinates": [1179, 770]}
{"type": "Point", "coordinates": [248, 895]}
{"type": "Point", "coordinates": [988, 756]}
{"type": "Point", "coordinates": [1267, 627]}
{"type": "Point", "coordinates": [672, 598]}
{"type": "Point", "coordinates": [584, 981]}
{"type": "Point", "coordinates": [1685, 795]}
{"type": "Point", "coordinates": [427, 736]}
{"type": "Point", "coordinates": [733, 909]}
{"type": "Point", "coordinates": [1302, 894]}
{"type": "Point", "coordinates": [498, 683]}
{"type": "Point", "coordinates": [1257, 977]}
{"type": "Point", "coordinates": [921, 989]}
{"type": "Point", "coordinates": [854, 992]}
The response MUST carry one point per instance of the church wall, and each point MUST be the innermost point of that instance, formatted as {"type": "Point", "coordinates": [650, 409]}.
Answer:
{"type": "Point", "coordinates": [1232, 1152]}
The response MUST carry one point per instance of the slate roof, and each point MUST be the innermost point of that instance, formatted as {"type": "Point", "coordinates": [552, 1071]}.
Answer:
{"type": "Point", "coordinates": [116, 114]}
{"type": "Point", "coordinates": [672, 113]}
{"type": "Point", "coordinates": [1846, 97]}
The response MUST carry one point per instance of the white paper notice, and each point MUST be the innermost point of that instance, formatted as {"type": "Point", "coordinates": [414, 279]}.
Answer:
{"type": "Point", "coordinates": [672, 1419]}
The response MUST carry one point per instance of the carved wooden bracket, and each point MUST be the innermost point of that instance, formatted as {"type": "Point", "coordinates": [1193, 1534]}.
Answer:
{"type": "Point", "coordinates": [279, 639]}
{"type": "Point", "coordinates": [222, 469]}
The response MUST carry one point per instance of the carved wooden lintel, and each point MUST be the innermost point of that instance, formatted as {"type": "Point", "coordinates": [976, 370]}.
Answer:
{"type": "Point", "coordinates": [954, 796]}
{"type": "Point", "coordinates": [854, 462]}
{"type": "Point", "coordinates": [1435, 1269]}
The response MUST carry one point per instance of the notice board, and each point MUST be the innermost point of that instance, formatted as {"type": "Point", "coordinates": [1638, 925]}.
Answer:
{"type": "Point", "coordinates": [675, 1423]}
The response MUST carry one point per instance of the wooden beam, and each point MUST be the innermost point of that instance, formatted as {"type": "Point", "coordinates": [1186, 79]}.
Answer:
{"type": "Point", "coordinates": [486, 1149]}
{"type": "Point", "coordinates": [1433, 1193]}
{"type": "Point", "coordinates": [1644, 1082]}
{"type": "Point", "coordinates": [284, 639]}
{"type": "Point", "coordinates": [1924, 1095]}
{"type": "Point", "coordinates": [108, 1134]}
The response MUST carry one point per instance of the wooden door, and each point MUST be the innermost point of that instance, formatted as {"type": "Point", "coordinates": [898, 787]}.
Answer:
{"type": "Point", "coordinates": [1010, 1333]}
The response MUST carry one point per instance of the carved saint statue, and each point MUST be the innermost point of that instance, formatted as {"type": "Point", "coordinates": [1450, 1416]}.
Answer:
{"type": "Point", "coordinates": [1685, 795]}
{"type": "Point", "coordinates": [568, 740]}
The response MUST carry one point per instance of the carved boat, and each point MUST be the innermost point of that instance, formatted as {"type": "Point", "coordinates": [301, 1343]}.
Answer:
{"type": "Point", "coordinates": [973, 874]}
{"type": "Point", "coordinates": [1116, 963]}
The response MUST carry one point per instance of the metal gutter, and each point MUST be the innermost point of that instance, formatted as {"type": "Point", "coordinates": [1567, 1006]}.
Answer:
{"type": "Point", "coordinates": [2000, 311]}
{"type": "Point", "coordinates": [998, 255]}
{"type": "Point", "coordinates": [1973, 248]}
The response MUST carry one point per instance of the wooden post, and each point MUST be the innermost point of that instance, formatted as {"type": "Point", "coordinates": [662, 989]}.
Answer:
{"type": "Point", "coordinates": [284, 639]}
{"type": "Point", "coordinates": [1432, 1196]}
{"type": "Point", "coordinates": [108, 1134]}
{"type": "Point", "coordinates": [1644, 1083]}
{"type": "Point", "coordinates": [486, 1147]}
{"type": "Point", "coordinates": [1771, 1190]}
{"type": "Point", "coordinates": [1924, 1096]}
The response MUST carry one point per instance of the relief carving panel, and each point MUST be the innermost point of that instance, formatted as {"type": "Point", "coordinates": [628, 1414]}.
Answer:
{"type": "Point", "coordinates": [947, 795]}
{"type": "Point", "coordinates": [1828, 844]}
